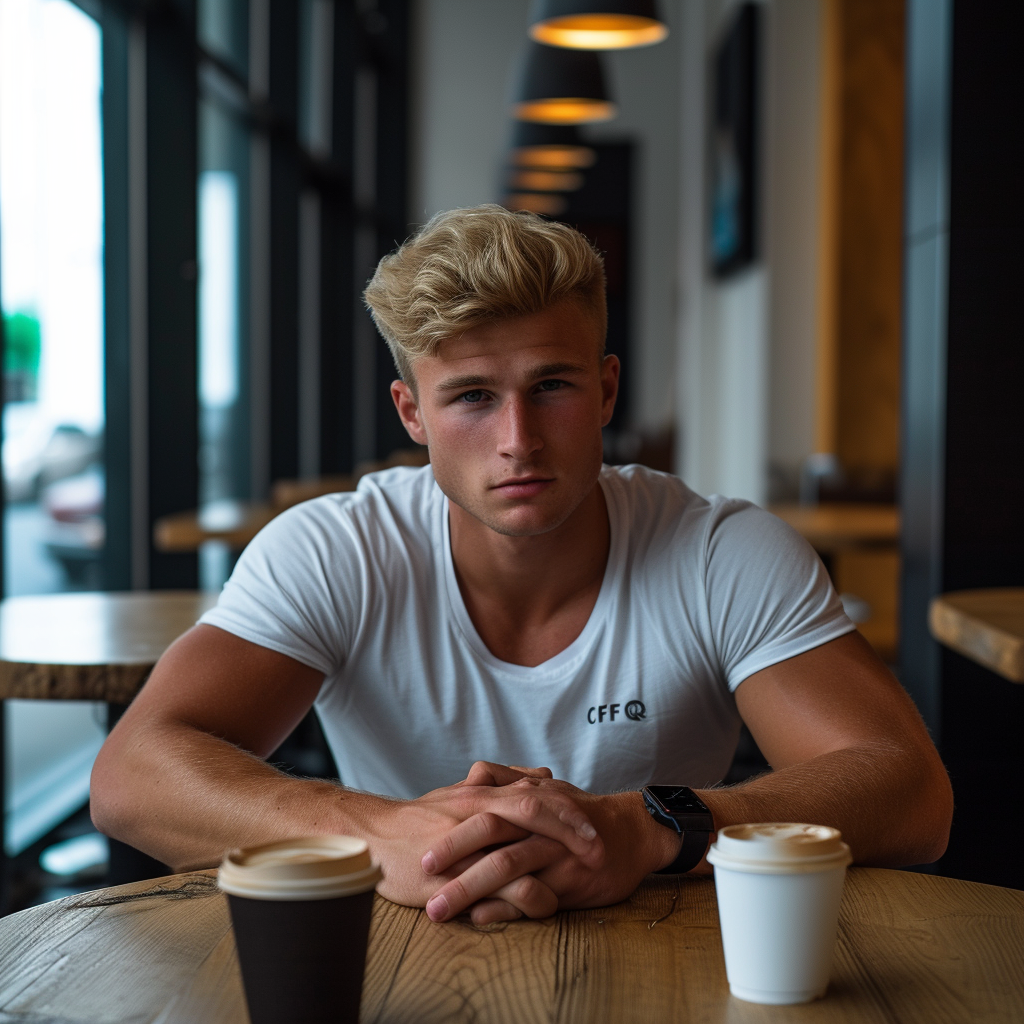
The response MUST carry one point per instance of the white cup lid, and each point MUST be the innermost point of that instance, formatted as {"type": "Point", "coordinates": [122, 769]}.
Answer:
{"type": "Point", "coordinates": [779, 847]}
{"type": "Point", "coordinates": [305, 868]}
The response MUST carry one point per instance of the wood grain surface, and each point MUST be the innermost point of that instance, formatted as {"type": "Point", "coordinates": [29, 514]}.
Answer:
{"type": "Point", "coordinates": [90, 646]}
{"type": "Point", "coordinates": [985, 625]}
{"type": "Point", "coordinates": [912, 948]}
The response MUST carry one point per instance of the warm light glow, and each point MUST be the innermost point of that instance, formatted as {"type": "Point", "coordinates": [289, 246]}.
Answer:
{"type": "Point", "coordinates": [548, 181]}
{"type": "Point", "coordinates": [565, 110]}
{"type": "Point", "coordinates": [599, 31]}
{"type": "Point", "coordinates": [536, 202]}
{"type": "Point", "coordinates": [555, 157]}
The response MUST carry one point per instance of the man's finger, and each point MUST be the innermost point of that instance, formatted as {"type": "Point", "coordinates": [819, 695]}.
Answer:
{"type": "Point", "coordinates": [526, 896]}
{"type": "Point", "coordinates": [533, 773]}
{"type": "Point", "coordinates": [543, 809]}
{"type": "Point", "coordinates": [468, 837]}
{"type": "Point", "coordinates": [489, 773]}
{"type": "Point", "coordinates": [493, 911]}
{"type": "Point", "coordinates": [490, 874]}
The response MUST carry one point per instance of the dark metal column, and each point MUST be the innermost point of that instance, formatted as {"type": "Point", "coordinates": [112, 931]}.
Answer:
{"type": "Point", "coordinates": [285, 187]}
{"type": "Point", "coordinates": [117, 551]}
{"type": "Point", "coordinates": [172, 417]}
{"type": "Point", "coordinates": [389, 31]}
{"type": "Point", "coordinates": [336, 255]}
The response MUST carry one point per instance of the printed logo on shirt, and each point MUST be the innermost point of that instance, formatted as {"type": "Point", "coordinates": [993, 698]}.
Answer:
{"type": "Point", "coordinates": [635, 711]}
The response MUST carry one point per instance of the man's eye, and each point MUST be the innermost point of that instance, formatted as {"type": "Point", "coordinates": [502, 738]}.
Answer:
{"type": "Point", "coordinates": [551, 385]}
{"type": "Point", "coordinates": [471, 397]}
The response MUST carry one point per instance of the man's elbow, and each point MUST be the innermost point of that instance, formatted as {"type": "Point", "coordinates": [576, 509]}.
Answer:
{"type": "Point", "coordinates": [934, 819]}
{"type": "Point", "coordinates": [110, 800]}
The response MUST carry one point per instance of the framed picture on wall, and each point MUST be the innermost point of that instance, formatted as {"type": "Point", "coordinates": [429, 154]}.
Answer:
{"type": "Point", "coordinates": [733, 145]}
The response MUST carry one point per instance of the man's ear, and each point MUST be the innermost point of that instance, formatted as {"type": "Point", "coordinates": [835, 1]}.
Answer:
{"type": "Point", "coordinates": [408, 410]}
{"type": "Point", "coordinates": [609, 387]}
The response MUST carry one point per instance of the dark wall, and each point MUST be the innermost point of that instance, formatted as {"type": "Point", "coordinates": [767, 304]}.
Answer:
{"type": "Point", "coordinates": [963, 418]}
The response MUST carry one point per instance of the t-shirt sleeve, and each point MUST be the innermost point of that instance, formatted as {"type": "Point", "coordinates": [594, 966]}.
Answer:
{"type": "Point", "coordinates": [295, 589]}
{"type": "Point", "coordinates": [769, 596]}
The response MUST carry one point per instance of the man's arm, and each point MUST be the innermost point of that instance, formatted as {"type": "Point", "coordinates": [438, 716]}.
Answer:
{"type": "Point", "coordinates": [848, 749]}
{"type": "Point", "coordinates": [181, 777]}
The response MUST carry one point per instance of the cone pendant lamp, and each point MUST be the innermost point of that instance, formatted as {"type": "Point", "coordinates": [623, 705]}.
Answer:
{"type": "Point", "coordinates": [597, 24]}
{"type": "Point", "coordinates": [558, 86]}
{"type": "Point", "coordinates": [551, 146]}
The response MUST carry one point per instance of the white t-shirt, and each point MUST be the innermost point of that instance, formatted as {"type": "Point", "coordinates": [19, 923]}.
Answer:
{"type": "Point", "coordinates": [697, 595]}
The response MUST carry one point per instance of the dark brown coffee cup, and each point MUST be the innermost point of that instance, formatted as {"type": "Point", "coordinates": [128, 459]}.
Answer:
{"type": "Point", "coordinates": [300, 909]}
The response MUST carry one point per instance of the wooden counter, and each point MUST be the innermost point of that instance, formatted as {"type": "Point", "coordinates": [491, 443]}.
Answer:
{"type": "Point", "coordinates": [985, 625]}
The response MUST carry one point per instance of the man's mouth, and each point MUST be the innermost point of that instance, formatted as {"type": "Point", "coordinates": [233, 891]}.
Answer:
{"type": "Point", "coordinates": [522, 486]}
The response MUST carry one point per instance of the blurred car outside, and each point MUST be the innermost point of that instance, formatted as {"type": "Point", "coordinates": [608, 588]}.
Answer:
{"type": "Point", "coordinates": [37, 451]}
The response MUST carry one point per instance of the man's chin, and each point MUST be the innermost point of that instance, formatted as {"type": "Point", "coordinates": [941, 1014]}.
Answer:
{"type": "Point", "coordinates": [525, 521]}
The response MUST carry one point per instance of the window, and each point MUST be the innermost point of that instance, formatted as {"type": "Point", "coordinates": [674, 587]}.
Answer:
{"type": "Point", "coordinates": [51, 295]}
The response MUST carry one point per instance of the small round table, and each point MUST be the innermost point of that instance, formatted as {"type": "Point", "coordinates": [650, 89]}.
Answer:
{"type": "Point", "coordinates": [90, 646]}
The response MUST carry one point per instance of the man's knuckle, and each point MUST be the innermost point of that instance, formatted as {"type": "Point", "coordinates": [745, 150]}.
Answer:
{"type": "Point", "coordinates": [505, 860]}
{"type": "Point", "coordinates": [535, 897]}
{"type": "Point", "coordinates": [530, 805]}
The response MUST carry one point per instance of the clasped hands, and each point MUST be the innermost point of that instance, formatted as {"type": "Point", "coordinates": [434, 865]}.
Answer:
{"type": "Point", "coordinates": [509, 842]}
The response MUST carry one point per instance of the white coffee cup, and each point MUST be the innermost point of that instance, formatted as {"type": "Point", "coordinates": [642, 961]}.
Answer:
{"type": "Point", "coordinates": [779, 885]}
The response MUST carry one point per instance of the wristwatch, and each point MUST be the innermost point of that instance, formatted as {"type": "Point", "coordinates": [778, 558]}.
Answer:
{"type": "Point", "coordinates": [680, 809]}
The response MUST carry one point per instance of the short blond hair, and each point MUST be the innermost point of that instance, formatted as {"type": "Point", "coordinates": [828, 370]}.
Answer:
{"type": "Point", "coordinates": [468, 267]}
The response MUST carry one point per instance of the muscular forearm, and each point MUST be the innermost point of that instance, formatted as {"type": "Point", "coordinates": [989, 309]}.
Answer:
{"type": "Point", "coordinates": [184, 797]}
{"type": "Point", "coordinates": [892, 807]}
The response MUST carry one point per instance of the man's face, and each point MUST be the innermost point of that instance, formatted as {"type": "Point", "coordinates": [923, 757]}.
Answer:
{"type": "Point", "coordinates": [512, 412]}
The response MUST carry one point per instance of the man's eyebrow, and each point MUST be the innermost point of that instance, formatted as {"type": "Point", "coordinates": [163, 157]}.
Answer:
{"type": "Point", "coordinates": [468, 381]}
{"type": "Point", "coordinates": [478, 381]}
{"type": "Point", "coordinates": [558, 370]}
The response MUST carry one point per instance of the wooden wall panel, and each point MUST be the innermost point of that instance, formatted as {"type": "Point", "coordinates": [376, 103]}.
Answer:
{"type": "Point", "coordinates": [869, 234]}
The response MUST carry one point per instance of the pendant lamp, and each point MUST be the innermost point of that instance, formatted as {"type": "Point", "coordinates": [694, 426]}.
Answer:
{"type": "Point", "coordinates": [597, 24]}
{"type": "Point", "coordinates": [536, 202]}
{"type": "Point", "coordinates": [542, 179]}
{"type": "Point", "coordinates": [551, 146]}
{"type": "Point", "coordinates": [558, 86]}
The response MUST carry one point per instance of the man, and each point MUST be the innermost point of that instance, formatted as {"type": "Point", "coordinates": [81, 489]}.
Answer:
{"type": "Point", "coordinates": [515, 603]}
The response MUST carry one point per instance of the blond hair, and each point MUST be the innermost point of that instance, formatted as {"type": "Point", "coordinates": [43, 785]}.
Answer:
{"type": "Point", "coordinates": [468, 267]}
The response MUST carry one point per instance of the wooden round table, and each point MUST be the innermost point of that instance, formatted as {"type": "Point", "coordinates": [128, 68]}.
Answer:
{"type": "Point", "coordinates": [913, 949]}
{"type": "Point", "coordinates": [90, 646]}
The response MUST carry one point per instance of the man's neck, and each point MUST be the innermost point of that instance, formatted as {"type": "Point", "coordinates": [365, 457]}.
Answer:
{"type": "Point", "coordinates": [530, 597]}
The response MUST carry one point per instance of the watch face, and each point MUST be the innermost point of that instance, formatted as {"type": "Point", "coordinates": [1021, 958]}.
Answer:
{"type": "Point", "coordinates": [678, 799]}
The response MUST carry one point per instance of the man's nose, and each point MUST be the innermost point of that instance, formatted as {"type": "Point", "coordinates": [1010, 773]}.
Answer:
{"type": "Point", "coordinates": [519, 437]}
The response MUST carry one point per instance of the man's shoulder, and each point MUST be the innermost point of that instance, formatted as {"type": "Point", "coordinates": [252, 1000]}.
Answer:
{"type": "Point", "coordinates": [639, 495]}
{"type": "Point", "coordinates": [659, 509]}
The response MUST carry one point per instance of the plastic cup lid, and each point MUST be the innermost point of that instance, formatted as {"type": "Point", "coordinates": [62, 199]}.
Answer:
{"type": "Point", "coordinates": [781, 847]}
{"type": "Point", "coordinates": [305, 868]}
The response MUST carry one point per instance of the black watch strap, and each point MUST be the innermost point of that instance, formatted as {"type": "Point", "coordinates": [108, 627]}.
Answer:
{"type": "Point", "coordinates": [695, 845]}
{"type": "Point", "coordinates": [680, 809]}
